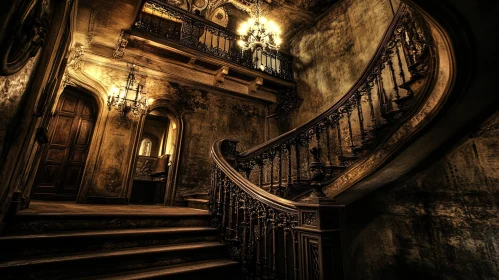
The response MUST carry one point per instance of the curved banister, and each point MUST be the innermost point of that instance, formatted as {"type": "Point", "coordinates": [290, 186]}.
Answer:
{"type": "Point", "coordinates": [267, 198]}
{"type": "Point", "coordinates": [360, 82]}
{"type": "Point", "coordinates": [256, 219]}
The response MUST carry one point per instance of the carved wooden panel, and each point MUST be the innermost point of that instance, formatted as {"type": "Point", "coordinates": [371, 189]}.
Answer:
{"type": "Point", "coordinates": [60, 173]}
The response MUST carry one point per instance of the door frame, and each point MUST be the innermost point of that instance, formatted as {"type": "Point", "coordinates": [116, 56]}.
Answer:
{"type": "Point", "coordinates": [172, 180]}
{"type": "Point", "coordinates": [84, 94]}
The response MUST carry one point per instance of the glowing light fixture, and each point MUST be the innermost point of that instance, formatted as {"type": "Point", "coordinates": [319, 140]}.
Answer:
{"type": "Point", "coordinates": [120, 101]}
{"type": "Point", "coordinates": [258, 32]}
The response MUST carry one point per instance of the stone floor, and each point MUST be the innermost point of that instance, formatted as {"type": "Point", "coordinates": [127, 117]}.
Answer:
{"type": "Point", "coordinates": [58, 207]}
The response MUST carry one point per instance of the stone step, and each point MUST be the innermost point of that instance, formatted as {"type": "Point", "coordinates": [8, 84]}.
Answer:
{"type": "Point", "coordinates": [197, 203]}
{"type": "Point", "coordinates": [222, 269]}
{"type": "Point", "coordinates": [31, 223]}
{"type": "Point", "coordinates": [198, 195]}
{"type": "Point", "coordinates": [31, 245]}
{"type": "Point", "coordinates": [72, 266]}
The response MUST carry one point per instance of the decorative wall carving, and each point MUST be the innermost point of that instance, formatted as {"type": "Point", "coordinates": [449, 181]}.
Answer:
{"type": "Point", "coordinates": [186, 99]}
{"type": "Point", "coordinates": [119, 52]}
{"type": "Point", "coordinates": [26, 29]}
{"type": "Point", "coordinates": [287, 102]}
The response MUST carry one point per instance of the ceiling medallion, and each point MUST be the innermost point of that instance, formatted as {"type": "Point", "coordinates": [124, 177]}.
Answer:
{"type": "Point", "coordinates": [120, 100]}
{"type": "Point", "coordinates": [258, 32]}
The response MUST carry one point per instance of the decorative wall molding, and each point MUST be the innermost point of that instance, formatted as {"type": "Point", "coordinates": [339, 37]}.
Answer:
{"type": "Point", "coordinates": [22, 39]}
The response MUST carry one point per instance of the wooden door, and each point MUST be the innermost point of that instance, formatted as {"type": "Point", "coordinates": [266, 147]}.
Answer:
{"type": "Point", "coordinates": [71, 128]}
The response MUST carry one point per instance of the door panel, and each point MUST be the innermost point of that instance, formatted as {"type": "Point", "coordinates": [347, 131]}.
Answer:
{"type": "Point", "coordinates": [71, 130]}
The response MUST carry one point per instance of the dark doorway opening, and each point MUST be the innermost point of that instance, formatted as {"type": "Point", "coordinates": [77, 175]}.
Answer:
{"type": "Point", "coordinates": [152, 164]}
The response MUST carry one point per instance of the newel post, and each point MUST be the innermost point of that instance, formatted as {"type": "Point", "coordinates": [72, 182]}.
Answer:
{"type": "Point", "coordinates": [229, 150]}
{"type": "Point", "coordinates": [320, 223]}
{"type": "Point", "coordinates": [319, 243]}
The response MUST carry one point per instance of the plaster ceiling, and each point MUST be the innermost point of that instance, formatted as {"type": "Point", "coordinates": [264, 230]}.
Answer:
{"type": "Point", "coordinates": [99, 22]}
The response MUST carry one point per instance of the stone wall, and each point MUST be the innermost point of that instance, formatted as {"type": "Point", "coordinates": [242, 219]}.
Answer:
{"type": "Point", "coordinates": [441, 222]}
{"type": "Point", "coordinates": [330, 57]}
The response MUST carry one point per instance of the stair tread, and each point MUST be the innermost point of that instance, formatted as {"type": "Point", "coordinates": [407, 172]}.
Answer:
{"type": "Point", "coordinates": [110, 253]}
{"type": "Point", "coordinates": [105, 232]}
{"type": "Point", "coordinates": [197, 200]}
{"type": "Point", "coordinates": [201, 213]}
{"type": "Point", "coordinates": [167, 270]}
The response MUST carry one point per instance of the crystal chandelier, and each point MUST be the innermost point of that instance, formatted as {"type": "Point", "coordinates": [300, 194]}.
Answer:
{"type": "Point", "coordinates": [120, 101]}
{"type": "Point", "coordinates": [258, 32]}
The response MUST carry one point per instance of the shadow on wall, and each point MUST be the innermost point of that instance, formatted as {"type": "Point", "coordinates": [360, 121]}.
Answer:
{"type": "Point", "coordinates": [438, 223]}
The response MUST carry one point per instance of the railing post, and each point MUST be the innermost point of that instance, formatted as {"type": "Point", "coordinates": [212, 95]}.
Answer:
{"type": "Point", "coordinates": [319, 243]}
{"type": "Point", "coordinates": [229, 150]}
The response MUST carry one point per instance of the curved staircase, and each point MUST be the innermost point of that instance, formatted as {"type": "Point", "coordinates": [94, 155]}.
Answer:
{"type": "Point", "coordinates": [275, 203]}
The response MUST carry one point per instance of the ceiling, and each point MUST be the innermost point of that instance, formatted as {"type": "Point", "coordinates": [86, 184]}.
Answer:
{"type": "Point", "coordinates": [99, 22]}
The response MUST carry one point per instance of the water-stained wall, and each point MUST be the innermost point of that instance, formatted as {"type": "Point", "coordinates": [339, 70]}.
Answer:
{"type": "Point", "coordinates": [330, 56]}
{"type": "Point", "coordinates": [441, 222]}
{"type": "Point", "coordinates": [207, 117]}
{"type": "Point", "coordinates": [12, 90]}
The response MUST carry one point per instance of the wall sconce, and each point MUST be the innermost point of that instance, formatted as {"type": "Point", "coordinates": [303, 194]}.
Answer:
{"type": "Point", "coordinates": [120, 101]}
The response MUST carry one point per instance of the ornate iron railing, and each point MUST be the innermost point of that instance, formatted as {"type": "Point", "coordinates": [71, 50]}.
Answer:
{"type": "Point", "coordinates": [173, 24]}
{"type": "Point", "coordinates": [277, 238]}
{"type": "Point", "coordinates": [387, 92]}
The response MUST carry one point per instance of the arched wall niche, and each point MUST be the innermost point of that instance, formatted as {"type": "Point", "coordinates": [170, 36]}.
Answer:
{"type": "Point", "coordinates": [165, 108]}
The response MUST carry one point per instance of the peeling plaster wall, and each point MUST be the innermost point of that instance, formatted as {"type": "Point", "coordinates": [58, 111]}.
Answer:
{"type": "Point", "coordinates": [224, 117]}
{"type": "Point", "coordinates": [12, 90]}
{"type": "Point", "coordinates": [439, 223]}
{"type": "Point", "coordinates": [330, 57]}
{"type": "Point", "coordinates": [207, 118]}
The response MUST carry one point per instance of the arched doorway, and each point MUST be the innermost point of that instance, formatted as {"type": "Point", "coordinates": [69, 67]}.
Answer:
{"type": "Point", "coordinates": [157, 148]}
{"type": "Point", "coordinates": [70, 133]}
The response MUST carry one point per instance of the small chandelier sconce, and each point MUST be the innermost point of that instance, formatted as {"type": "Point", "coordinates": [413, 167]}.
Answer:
{"type": "Point", "coordinates": [120, 100]}
{"type": "Point", "coordinates": [259, 33]}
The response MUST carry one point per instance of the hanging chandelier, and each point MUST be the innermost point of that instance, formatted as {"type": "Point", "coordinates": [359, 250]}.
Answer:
{"type": "Point", "coordinates": [258, 32]}
{"type": "Point", "coordinates": [120, 100]}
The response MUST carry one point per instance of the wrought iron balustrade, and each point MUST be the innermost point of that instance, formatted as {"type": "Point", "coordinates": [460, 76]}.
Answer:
{"type": "Point", "coordinates": [173, 24]}
{"type": "Point", "coordinates": [251, 200]}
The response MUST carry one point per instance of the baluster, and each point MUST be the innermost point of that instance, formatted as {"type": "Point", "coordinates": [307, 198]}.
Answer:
{"type": "Point", "coordinates": [231, 212]}
{"type": "Point", "coordinates": [349, 116]}
{"type": "Point", "coordinates": [297, 154]}
{"type": "Point", "coordinates": [338, 132]}
{"type": "Point", "coordinates": [260, 178]}
{"type": "Point", "coordinates": [279, 173]}
{"type": "Point", "coordinates": [219, 198]}
{"type": "Point", "coordinates": [244, 248]}
{"type": "Point", "coordinates": [258, 244]}
{"type": "Point", "coordinates": [307, 145]}
{"type": "Point", "coordinates": [251, 243]}
{"type": "Point", "coordinates": [328, 145]}
{"type": "Point", "coordinates": [401, 67]}
{"type": "Point", "coordinates": [318, 139]}
{"type": "Point", "coordinates": [295, 257]}
{"type": "Point", "coordinates": [236, 238]}
{"type": "Point", "coordinates": [289, 163]}
{"type": "Point", "coordinates": [358, 98]}
{"type": "Point", "coordinates": [225, 210]}
{"type": "Point", "coordinates": [265, 249]}
{"type": "Point", "coordinates": [273, 274]}
{"type": "Point", "coordinates": [285, 233]}
{"type": "Point", "coordinates": [371, 105]}
{"type": "Point", "coordinates": [394, 77]}
{"type": "Point", "coordinates": [272, 173]}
